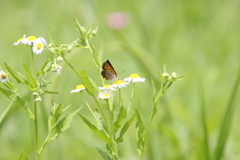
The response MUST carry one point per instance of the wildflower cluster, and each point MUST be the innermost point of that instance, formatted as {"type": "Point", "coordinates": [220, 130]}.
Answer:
{"type": "Point", "coordinates": [37, 44]}
{"type": "Point", "coordinates": [107, 89]}
{"type": "Point", "coordinates": [113, 120]}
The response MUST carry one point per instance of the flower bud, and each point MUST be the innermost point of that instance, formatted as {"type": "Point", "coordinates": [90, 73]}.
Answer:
{"type": "Point", "coordinates": [38, 99]}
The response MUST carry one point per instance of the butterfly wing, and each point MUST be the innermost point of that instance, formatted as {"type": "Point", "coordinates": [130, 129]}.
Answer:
{"type": "Point", "coordinates": [108, 71]}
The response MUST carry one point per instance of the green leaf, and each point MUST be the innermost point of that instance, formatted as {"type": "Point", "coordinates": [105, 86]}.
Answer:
{"type": "Point", "coordinates": [80, 29]}
{"type": "Point", "coordinates": [50, 92]}
{"type": "Point", "coordinates": [55, 113]}
{"type": "Point", "coordinates": [30, 77]}
{"type": "Point", "coordinates": [95, 55]}
{"type": "Point", "coordinates": [87, 83]}
{"type": "Point", "coordinates": [100, 53]}
{"type": "Point", "coordinates": [180, 78]}
{"type": "Point", "coordinates": [104, 155]}
{"type": "Point", "coordinates": [227, 122]}
{"type": "Point", "coordinates": [102, 135]}
{"type": "Point", "coordinates": [205, 131]}
{"type": "Point", "coordinates": [125, 128]}
{"type": "Point", "coordinates": [17, 99]}
{"type": "Point", "coordinates": [121, 116]}
{"type": "Point", "coordinates": [62, 125]}
{"type": "Point", "coordinates": [55, 126]}
{"type": "Point", "coordinates": [46, 67]}
{"type": "Point", "coordinates": [140, 132]}
{"type": "Point", "coordinates": [10, 86]}
{"type": "Point", "coordinates": [17, 75]}
{"type": "Point", "coordinates": [23, 156]}
{"type": "Point", "coordinates": [51, 36]}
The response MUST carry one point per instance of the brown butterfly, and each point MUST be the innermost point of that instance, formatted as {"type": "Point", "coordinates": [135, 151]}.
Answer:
{"type": "Point", "coordinates": [108, 71]}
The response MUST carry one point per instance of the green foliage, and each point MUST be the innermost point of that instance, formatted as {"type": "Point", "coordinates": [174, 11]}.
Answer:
{"type": "Point", "coordinates": [55, 125]}
{"type": "Point", "coordinates": [23, 156]}
{"type": "Point", "coordinates": [13, 95]}
{"type": "Point", "coordinates": [197, 38]}
{"type": "Point", "coordinates": [227, 121]}
{"type": "Point", "coordinates": [87, 83]}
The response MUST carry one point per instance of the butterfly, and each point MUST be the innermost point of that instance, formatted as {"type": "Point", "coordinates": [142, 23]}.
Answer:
{"type": "Point", "coordinates": [108, 71]}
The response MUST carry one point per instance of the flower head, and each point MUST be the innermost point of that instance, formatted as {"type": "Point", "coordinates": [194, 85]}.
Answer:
{"type": "Point", "coordinates": [134, 78]}
{"type": "Point", "coordinates": [38, 45]}
{"type": "Point", "coordinates": [3, 76]}
{"type": "Point", "coordinates": [29, 40]}
{"type": "Point", "coordinates": [78, 88]}
{"type": "Point", "coordinates": [107, 87]}
{"type": "Point", "coordinates": [21, 41]}
{"type": "Point", "coordinates": [120, 84]}
{"type": "Point", "coordinates": [104, 95]}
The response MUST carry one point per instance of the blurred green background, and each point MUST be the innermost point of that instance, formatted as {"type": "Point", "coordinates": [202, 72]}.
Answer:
{"type": "Point", "coordinates": [199, 39]}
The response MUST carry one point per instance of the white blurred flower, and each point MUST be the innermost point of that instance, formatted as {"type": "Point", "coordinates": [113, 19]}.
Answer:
{"type": "Point", "coordinates": [107, 87]}
{"type": "Point", "coordinates": [104, 95]}
{"type": "Point", "coordinates": [120, 84]}
{"type": "Point", "coordinates": [78, 88]}
{"type": "Point", "coordinates": [134, 78]}
{"type": "Point", "coordinates": [21, 41]}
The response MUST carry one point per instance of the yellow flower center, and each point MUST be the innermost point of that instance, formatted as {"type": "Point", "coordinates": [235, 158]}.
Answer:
{"type": "Point", "coordinates": [20, 39]}
{"type": "Point", "coordinates": [118, 82]}
{"type": "Point", "coordinates": [106, 86]}
{"type": "Point", "coordinates": [80, 86]}
{"type": "Point", "coordinates": [31, 38]}
{"type": "Point", "coordinates": [39, 46]}
{"type": "Point", "coordinates": [4, 76]}
{"type": "Point", "coordinates": [134, 75]}
{"type": "Point", "coordinates": [106, 95]}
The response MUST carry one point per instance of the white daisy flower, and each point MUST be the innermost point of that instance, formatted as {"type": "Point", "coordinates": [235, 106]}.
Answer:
{"type": "Point", "coordinates": [134, 78]}
{"type": "Point", "coordinates": [78, 88]}
{"type": "Point", "coordinates": [120, 84]}
{"type": "Point", "coordinates": [30, 40]}
{"type": "Point", "coordinates": [3, 76]}
{"type": "Point", "coordinates": [21, 41]}
{"type": "Point", "coordinates": [107, 87]}
{"type": "Point", "coordinates": [104, 95]}
{"type": "Point", "coordinates": [38, 45]}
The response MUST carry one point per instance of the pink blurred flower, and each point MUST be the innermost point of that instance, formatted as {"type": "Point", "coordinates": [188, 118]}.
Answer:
{"type": "Point", "coordinates": [118, 20]}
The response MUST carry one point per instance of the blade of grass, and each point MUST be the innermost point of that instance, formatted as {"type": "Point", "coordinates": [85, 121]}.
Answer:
{"type": "Point", "coordinates": [205, 131]}
{"type": "Point", "coordinates": [227, 122]}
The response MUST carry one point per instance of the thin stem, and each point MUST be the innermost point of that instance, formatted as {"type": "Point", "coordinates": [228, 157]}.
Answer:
{"type": "Point", "coordinates": [92, 111]}
{"type": "Point", "coordinates": [36, 130]}
{"type": "Point", "coordinates": [104, 116]}
{"type": "Point", "coordinates": [112, 136]}
{"type": "Point", "coordinates": [119, 97]}
{"type": "Point", "coordinates": [131, 97]}
{"type": "Point", "coordinates": [154, 110]}
{"type": "Point", "coordinates": [72, 67]}
{"type": "Point", "coordinates": [33, 68]}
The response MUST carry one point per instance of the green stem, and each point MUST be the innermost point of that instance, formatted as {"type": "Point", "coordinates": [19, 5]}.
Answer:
{"type": "Point", "coordinates": [131, 98]}
{"type": "Point", "coordinates": [72, 67]}
{"type": "Point", "coordinates": [104, 116]}
{"type": "Point", "coordinates": [112, 135]}
{"type": "Point", "coordinates": [92, 111]}
{"type": "Point", "coordinates": [36, 130]}
{"type": "Point", "coordinates": [33, 68]}
{"type": "Point", "coordinates": [119, 105]}
{"type": "Point", "coordinates": [154, 110]}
